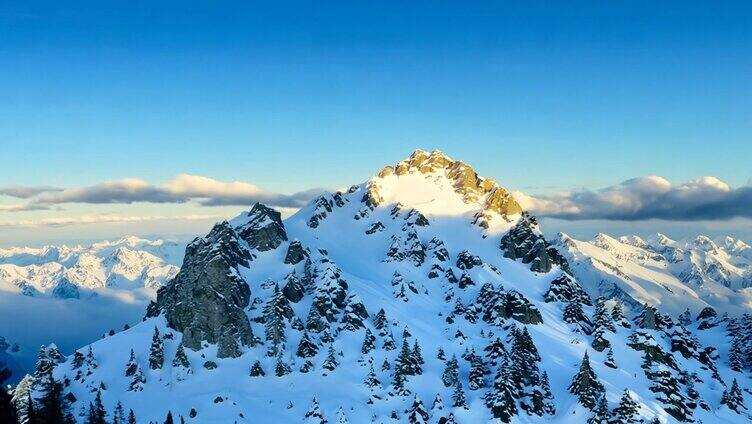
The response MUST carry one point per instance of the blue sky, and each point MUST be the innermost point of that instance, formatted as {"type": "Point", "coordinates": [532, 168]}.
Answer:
{"type": "Point", "coordinates": [542, 96]}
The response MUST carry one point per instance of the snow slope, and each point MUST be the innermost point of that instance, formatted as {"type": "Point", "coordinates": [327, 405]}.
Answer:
{"type": "Point", "coordinates": [379, 245]}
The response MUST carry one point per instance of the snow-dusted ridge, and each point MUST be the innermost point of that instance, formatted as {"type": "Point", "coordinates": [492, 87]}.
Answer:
{"type": "Point", "coordinates": [423, 295]}
{"type": "Point", "coordinates": [674, 275]}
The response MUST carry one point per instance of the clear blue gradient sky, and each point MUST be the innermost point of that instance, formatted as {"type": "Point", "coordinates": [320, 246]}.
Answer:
{"type": "Point", "coordinates": [288, 95]}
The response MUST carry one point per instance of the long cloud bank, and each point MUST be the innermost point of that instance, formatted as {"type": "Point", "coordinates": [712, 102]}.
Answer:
{"type": "Point", "coordinates": [644, 198]}
{"type": "Point", "coordinates": [181, 189]}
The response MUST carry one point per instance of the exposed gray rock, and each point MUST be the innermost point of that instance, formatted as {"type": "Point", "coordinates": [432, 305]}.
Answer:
{"type": "Point", "coordinates": [206, 299]}
{"type": "Point", "coordinates": [525, 242]}
{"type": "Point", "coordinates": [264, 229]}
{"type": "Point", "coordinates": [466, 260]}
{"type": "Point", "coordinates": [295, 253]}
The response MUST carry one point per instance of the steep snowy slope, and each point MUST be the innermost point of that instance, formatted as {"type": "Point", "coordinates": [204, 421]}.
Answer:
{"type": "Point", "coordinates": [423, 294]}
{"type": "Point", "coordinates": [663, 272]}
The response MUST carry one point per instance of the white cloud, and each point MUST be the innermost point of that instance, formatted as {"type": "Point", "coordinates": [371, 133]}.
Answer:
{"type": "Point", "coordinates": [181, 189]}
{"type": "Point", "coordinates": [650, 197]}
{"type": "Point", "coordinates": [104, 219]}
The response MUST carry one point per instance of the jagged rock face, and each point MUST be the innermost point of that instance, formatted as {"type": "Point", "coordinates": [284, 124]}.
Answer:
{"type": "Point", "coordinates": [520, 309]}
{"type": "Point", "coordinates": [525, 242]}
{"type": "Point", "coordinates": [66, 290]}
{"type": "Point", "coordinates": [264, 230]}
{"type": "Point", "coordinates": [206, 299]}
{"type": "Point", "coordinates": [295, 253]}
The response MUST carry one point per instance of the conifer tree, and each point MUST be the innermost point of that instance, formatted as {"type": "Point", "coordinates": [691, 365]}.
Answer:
{"type": "Point", "coordinates": [501, 399]}
{"type": "Point", "coordinates": [405, 363]}
{"type": "Point", "coordinates": [156, 352]}
{"type": "Point", "coordinates": [369, 341]}
{"type": "Point", "coordinates": [496, 352]}
{"type": "Point", "coordinates": [314, 414]}
{"type": "Point", "coordinates": [97, 413]}
{"type": "Point", "coordinates": [131, 366]}
{"type": "Point", "coordinates": [181, 366]}
{"type": "Point", "coordinates": [626, 411]}
{"type": "Point", "coordinates": [168, 419]}
{"type": "Point", "coordinates": [380, 322]}
{"type": "Point", "coordinates": [451, 372]}
{"type": "Point", "coordinates": [275, 311]}
{"type": "Point", "coordinates": [257, 370]}
{"type": "Point", "coordinates": [440, 355]}
{"type": "Point", "coordinates": [389, 342]}
{"type": "Point", "coordinates": [601, 414]}
{"type": "Point", "coordinates": [307, 348]}
{"type": "Point", "coordinates": [458, 396]}
{"type": "Point", "coordinates": [618, 317]}
{"type": "Point", "coordinates": [585, 384]}
{"type": "Point", "coordinates": [609, 362]}
{"type": "Point", "coordinates": [477, 377]}
{"type": "Point", "coordinates": [372, 381]}
{"type": "Point", "coordinates": [385, 365]}
{"type": "Point", "coordinates": [118, 415]}
{"type": "Point", "coordinates": [438, 405]}
{"type": "Point", "coordinates": [281, 368]}
{"type": "Point", "coordinates": [330, 363]}
{"type": "Point", "coordinates": [341, 417]}
{"type": "Point", "coordinates": [418, 413]}
{"type": "Point", "coordinates": [736, 355]}
{"type": "Point", "coordinates": [733, 398]}
{"type": "Point", "coordinates": [131, 417]}
{"type": "Point", "coordinates": [549, 407]}
{"type": "Point", "coordinates": [137, 381]}
{"type": "Point", "coordinates": [417, 359]}
{"type": "Point", "coordinates": [573, 314]}
{"type": "Point", "coordinates": [52, 408]}
{"type": "Point", "coordinates": [7, 409]}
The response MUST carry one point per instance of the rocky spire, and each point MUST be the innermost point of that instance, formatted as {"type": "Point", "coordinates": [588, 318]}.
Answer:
{"type": "Point", "coordinates": [263, 229]}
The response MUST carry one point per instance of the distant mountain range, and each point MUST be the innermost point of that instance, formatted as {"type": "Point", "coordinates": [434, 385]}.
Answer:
{"type": "Point", "coordinates": [663, 272]}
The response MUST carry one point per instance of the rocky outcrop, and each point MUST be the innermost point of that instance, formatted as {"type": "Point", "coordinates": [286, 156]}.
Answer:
{"type": "Point", "coordinates": [295, 253]}
{"type": "Point", "coordinates": [64, 289]}
{"type": "Point", "coordinates": [520, 309]}
{"type": "Point", "coordinates": [263, 230]}
{"type": "Point", "coordinates": [206, 300]}
{"type": "Point", "coordinates": [466, 260]}
{"type": "Point", "coordinates": [526, 243]}
{"type": "Point", "coordinates": [564, 289]}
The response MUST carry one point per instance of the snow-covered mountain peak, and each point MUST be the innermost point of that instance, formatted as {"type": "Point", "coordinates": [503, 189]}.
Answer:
{"type": "Point", "coordinates": [436, 185]}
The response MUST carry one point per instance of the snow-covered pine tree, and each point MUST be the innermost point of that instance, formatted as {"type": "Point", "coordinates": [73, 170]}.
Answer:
{"type": "Point", "coordinates": [330, 363]}
{"type": "Point", "coordinates": [477, 376]}
{"type": "Point", "coordinates": [668, 391]}
{"type": "Point", "coordinates": [353, 314]}
{"type": "Point", "coordinates": [314, 414]}
{"type": "Point", "coordinates": [585, 384]}
{"type": "Point", "coordinates": [440, 355]}
{"type": "Point", "coordinates": [156, 351]}
{"type": "Point", "coordinates": [281, 368]}
{"type": "Point", "coordinates": [341, 417]}
{"type": "Point", "coordinates": [458, 396]}
{"type": "Point", "coordinates": [131, 417]}
{"type": "Point", "coordinates": [451, 372]}
{"type": "Point", "coordinates": [97, 414]}
{"type": "Point", "coordinates": [181, 366]}
{"type": "Point", "coordinates": [372, 381]}
{"type": "Point", "coordinates": [307, 348]}
{"type": "Point", "coordinates": [118, 414]}
{"type": "Point", "coordinates": [496, 352]}
{"type": "Point", "coordinates": [627, 410]}
{"type": "Point", "coordinates": [501, 399]}
{"type": "Point", "coordinates": [437, 406]}
{"type": "Point", "coordinates": [389, 342]}
{"type": "Point", "coordinates": [132, 365]}
{"type": "Point", "coordinates": [610, 362]}
{"type": "Point", "coordinates": [369, 342]}
{"type": "Point", "coordinates": [418, 413]}
{"type": "Point", "coordinates": [137, 381]}
{"type": "Point", "coordinates": [257, 370]}
{"type": "Point", "coordinates": [380, 322]}
{"type": "Point", "coordinates": [405, 363]}
{"type": "Point", "coordinates": [601, 413]}
{"type": "Point", "coordinates": [276, 310]}
{"type": "Point", "coordinates": [736, 354]}
{"type": "Point", "coordinates": [573, 314]}
{"type": "Point", "coordinates": [549, 406]}
{"type": "Point", "coordinates": [417, 359]}
{"type": "Point", "coordinates": [617, 315]}
{"type": "Point", "coordinates": [732, 398]}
